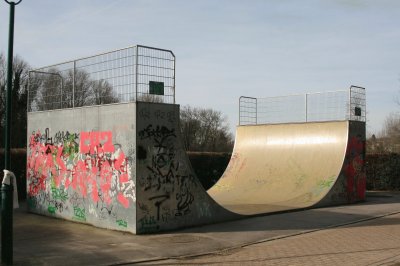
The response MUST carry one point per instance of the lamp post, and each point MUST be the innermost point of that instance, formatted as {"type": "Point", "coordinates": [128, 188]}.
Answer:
{"type": "Point", "coordinates": [7, 189]}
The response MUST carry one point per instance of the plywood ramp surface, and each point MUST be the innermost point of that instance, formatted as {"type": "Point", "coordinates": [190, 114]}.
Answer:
{"type": "Point", "coordinates": [282, 167]}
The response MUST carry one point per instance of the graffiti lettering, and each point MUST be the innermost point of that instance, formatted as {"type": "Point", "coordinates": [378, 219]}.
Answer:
{"type": "Point", "coordinates": [76, 170]}
{"type": "Point", "coordinates": [159, 200]}
{"type": "Point", "coordinates": [167, 188]}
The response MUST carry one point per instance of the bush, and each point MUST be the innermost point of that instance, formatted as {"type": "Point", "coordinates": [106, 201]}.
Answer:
{"type": "Point", "coordinates": [383, 171]}
{"type": "Point", "coordinates": [209, 166]}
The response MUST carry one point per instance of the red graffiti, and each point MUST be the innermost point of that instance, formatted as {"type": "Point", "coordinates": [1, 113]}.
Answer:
{"type": "Point", "coordinates": [354, 170]}
{"type": "Point", "coordinates": [95, 168]}
{"type": "Point", "coordinates": [96, 142]}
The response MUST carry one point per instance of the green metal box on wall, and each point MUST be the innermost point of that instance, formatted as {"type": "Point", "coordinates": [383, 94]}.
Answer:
{"type": "Point", "coordinates": [156, 87]}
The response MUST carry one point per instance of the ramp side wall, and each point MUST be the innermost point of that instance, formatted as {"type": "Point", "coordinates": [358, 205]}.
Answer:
{"type": "Point", "coordinates": [169, 195]}
{"type": "Point", "coordinates": [81, 165]}
{"type": "Point", "coordinates": [350, 186]}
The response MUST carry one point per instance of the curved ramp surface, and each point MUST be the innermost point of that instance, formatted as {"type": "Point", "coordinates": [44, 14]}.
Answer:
{"type": "Point", "coordinates": [281, 167]}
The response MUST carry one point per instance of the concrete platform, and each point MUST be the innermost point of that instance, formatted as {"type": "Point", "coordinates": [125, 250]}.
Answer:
{"type": "Point", "coordinates": [40, 240]}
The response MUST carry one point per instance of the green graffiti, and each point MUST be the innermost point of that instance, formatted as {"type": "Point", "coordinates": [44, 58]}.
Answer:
{"type": "Point", "coordinates": [326, 183]}
{"type": "Point", "coordinates": [122, 223]}
{"type": "Point", "coordinates": [148, 224]}
{"type": "Point", "coordinates": [70, 147]}
{"type": "Point", "coordinates": [59, 194]}
{"type": "Point", "coordinates": [31, 203]}
{"type": "Point", "coordinates": [79, 214]}
{"type": "Point", "coordinates": [147, 221]}
{"type": "Point", "coordinates": [51, 209]}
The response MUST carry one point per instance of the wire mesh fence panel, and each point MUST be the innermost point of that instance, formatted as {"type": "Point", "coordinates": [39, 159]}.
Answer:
{"type": "Point", "coordinates": [105, 78]}
{"type": "Point", "coordinates": [327, 106]}
{"type": "Point", "coordinates": [358, 111]}
{"type": "Point", "coordinates": [311, 107]}
{"type": "Point", "coordinates": [51, 87]}
{"type": "Point", "coordinates": [156, 75]}
{"type": "Point", "coordinates": [123, 75]}
{"type": "Point", "coordinates": [247, 110]}
{"type": "Point", "coordinates": [281, 109]}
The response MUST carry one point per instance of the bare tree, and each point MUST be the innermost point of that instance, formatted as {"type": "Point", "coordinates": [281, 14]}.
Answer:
{"type": "Point", "coordinates": [389, 139]}
{"type": "Point", "coordinates": [102, 92]}
{"type": "Point", "coordinates": [18, 100]}
{"type": "Point", "coordinates": [152, 98]}
{"type": "Point", "coordinates": [205, 130]}
{"type": "Point", "coordinates": [69, 89]}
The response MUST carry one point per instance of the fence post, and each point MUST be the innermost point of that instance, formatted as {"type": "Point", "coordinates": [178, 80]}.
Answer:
{"type": "Point", "coordinates": [137, 72]}
{"type": "Point", "coordinates": [256, 111]}
{"type": "Point", "coordinates": [73, 85]}
{"type": "Point", "coordinates": [61, 96]}
{"type": "Point", "coordinates": [27, 92]}
{"type": "Point", "coordinates": [350, 103]}
{"type": "Point", "coordinates": [306, 106]}
{"type": "Point", "coordinates": [174, 77]}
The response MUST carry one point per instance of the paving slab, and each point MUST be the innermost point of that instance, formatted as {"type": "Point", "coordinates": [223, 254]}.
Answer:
{"type": "Point", "coordinates": [371, 242]}
{"type": "Point", "coordinates": [40, 240]}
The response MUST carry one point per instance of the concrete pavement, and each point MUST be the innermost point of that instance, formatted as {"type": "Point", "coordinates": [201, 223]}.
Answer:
{"type": "Point", "coordinates": [373, 242]}
{"type": "Point", "coordinates": [363, 233]}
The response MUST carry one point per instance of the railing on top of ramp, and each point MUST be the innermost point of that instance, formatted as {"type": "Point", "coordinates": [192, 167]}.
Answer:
{"type": "Point", "coordinates": [136, 73]}
{"type": "Point", "coordinates": [310, 107]}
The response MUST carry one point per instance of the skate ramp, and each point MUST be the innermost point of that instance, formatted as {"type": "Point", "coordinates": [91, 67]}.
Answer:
{"type": "Point", "coordinates": [89, 165]}
{"type": "Point", "coordinates": [283, 166]}
{"type": "Point", "coordinates": [275, 167]}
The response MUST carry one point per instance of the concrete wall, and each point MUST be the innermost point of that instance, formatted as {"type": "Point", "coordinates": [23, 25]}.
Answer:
{"type": "Point", "coordinates": [350, 185]}
{"type": "Point", "coordinates": [169, 195]}
{"type": "Point", "coordinates": [81, 165]}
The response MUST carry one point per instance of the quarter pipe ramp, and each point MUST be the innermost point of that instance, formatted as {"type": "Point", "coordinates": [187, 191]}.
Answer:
{"type": "Point", "coordinates": [124, 167]}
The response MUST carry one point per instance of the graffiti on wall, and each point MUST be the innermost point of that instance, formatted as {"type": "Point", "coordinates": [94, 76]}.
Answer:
{"type": "Point", "coordinates": [165, 183]}
{"type": "Point", "coordinates": [354, 169]}
{"type": "Point", "coordinates": [82, 173]}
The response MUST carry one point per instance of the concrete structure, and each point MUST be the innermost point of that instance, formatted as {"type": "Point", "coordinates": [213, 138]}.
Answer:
{"type": "Point", "coordinates": [124, 167]}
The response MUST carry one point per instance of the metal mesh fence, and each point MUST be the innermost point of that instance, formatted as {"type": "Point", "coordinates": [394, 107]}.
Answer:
{"type": "Point", "coordinates": [247, 110]}
{"type": "Point", "coordinates": [280, 109]}
{"type": "Point", "coordinates": [137, 73]}
{"type": "Point", "coordinates": [358, 108]}
{"type": "Point", "coordinates": [309, 107]}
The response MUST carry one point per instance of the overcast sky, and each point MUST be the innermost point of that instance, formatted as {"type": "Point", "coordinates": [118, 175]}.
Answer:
{"type": "Point", "coordinates": [226, 49]}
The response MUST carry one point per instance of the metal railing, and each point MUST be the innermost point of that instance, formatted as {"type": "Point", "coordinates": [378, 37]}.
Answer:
{"type": "Point", "coordinates": [310, 107]}
{"type": "Point", "coordinates": [136, 73]}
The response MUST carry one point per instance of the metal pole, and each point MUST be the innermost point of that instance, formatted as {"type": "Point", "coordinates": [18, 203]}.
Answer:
{"type": "Point", "coordinates": [9, 87]}
{"type": "Point", "coordinates": [73, 85]}
{"type": "Point", "coordinates": [256, 111]}
{"type": "Point", "coordinates": [240, 110]}
{"type": "Point", "coordinates": [61, 91]}
{"type": "Point", "coordinates": [174, 78]}
{"type": "Point", "coordinates": [350, 103]}
{"type": "Point", "coordinates": [28, 91]}
{"type": "Point", "coordinates": [306, 107]}
{"type": "Point", "coordinates": [137, 72]}
{"type": "Point", "coordinates": [7, 190]}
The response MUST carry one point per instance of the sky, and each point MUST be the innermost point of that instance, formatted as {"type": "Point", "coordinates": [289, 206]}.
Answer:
{"type": "Point", "coordinates": [229, 48]}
